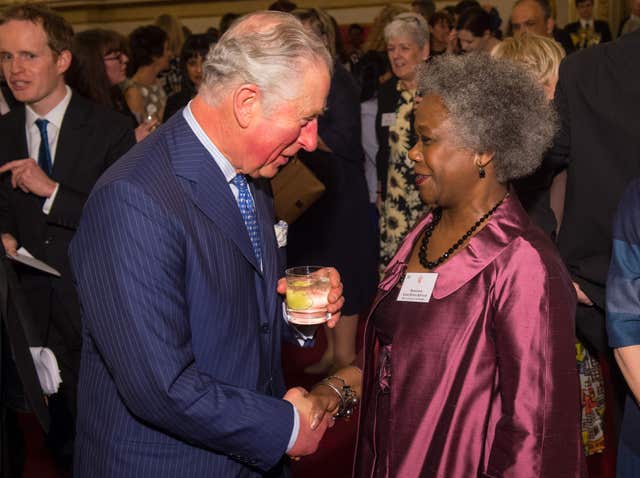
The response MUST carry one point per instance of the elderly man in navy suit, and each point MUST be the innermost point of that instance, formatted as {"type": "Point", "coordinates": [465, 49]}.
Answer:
{"type": "Point", "coordinates": [177, 268]}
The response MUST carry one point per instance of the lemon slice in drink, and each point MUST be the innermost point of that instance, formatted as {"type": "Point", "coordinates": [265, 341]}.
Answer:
{"type": "Point", "coordinates": [297, 300]}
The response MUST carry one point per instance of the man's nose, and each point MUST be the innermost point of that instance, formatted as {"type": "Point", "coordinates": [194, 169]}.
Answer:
{"type": "Point", "coordinates": [308, 138]}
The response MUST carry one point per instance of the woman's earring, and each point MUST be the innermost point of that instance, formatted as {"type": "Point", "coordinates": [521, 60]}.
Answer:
{"type": "Point", "coordinates": [481, 171]}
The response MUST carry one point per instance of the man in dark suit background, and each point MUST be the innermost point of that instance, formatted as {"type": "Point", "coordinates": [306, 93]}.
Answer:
{"type": "Point", "coordinates": [587, 31]}
{"type": "Point", "coordinates": [535, 16]}
{"type": "Point", "coordinates": [20, 388]}
{"type": "Point", "coordinates": [596, 97]}
{"type": "Point", "coordinates": [177, 266]}
{"type": "Point", "coordinates": [54, 148]}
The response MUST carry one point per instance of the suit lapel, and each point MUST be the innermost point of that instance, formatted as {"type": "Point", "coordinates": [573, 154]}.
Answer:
{"type": "Point", "coordinates": [269, 248]}
{"type": "Point", "coordinates": [15, 135]}
{"type": "Point", "coordinates": [212, 194]}
{"type": "Point", "coordinates": [69, 149]}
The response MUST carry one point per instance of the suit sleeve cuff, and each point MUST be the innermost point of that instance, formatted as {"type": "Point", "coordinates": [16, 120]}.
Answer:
{"type": "Point", "coordinates": [296, 429]}
{"type": "Point", "coordinates": [48, 204]}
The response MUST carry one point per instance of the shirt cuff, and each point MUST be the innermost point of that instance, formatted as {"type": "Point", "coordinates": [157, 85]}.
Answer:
{"type": "Point", "coordinates": [296, 429]}
{"type": "Point", "coordinates": [48, 204]}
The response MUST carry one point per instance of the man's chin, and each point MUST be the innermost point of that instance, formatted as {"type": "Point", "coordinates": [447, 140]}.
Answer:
{"type": "Point", "coordinates": [270, 170]}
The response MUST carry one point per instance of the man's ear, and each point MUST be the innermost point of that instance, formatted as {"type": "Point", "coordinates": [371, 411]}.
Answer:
{"type": "Point", "coordinates": [246, 103]}
{"type": "Point", "coordinates": [63, 62]}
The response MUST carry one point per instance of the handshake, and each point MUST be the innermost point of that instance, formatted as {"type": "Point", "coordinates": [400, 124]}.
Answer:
{"type": "Point", "coordinates": [317, 411]}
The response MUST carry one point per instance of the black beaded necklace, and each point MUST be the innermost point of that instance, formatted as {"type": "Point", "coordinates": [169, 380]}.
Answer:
{"type": "Point", "coordinates": [437, 215]}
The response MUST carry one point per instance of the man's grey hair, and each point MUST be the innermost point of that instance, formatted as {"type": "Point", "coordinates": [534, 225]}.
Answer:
{"type": "Point", "coordinates": [495, 106]}
{"type": "Point", "coordinates": [269, 49]}
{"type": "Point", "coordinates": [408, 24]}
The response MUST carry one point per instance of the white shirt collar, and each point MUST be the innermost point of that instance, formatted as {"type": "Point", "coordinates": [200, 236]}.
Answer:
{"type": "Point", "coordinates": [54, 116]}
{"type": "Point", "coordinates": [586, 23]}
{"type": "Point", "coordinates": [223, 163]}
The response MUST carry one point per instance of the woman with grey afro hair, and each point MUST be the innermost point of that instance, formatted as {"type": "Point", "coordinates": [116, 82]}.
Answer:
{"type": "Point", "coordinates": [471, 334]}
{"type": "Point", "coordinates": [497, 108]}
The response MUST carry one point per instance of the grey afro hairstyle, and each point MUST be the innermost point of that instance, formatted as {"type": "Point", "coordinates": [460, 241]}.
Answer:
{"type": "Point", "coordinates": [495, 106]}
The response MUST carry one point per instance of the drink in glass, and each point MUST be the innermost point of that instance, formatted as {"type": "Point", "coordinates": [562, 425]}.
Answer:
{"type": "Point", "coordinates": [307, 297]}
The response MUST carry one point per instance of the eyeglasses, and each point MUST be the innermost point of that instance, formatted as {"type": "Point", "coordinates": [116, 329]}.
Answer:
{"type": "Point", "coordinates": [116, 56]}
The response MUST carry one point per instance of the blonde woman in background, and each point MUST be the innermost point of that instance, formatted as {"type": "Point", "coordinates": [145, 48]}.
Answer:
{"type": "Point", "coordinates": [171, 79]}
{"type": "Point", "coordinates": [542, 193]}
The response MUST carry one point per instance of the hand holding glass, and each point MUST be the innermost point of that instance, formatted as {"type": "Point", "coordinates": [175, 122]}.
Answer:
{"type": "Point", "coordinates": [307, 297]}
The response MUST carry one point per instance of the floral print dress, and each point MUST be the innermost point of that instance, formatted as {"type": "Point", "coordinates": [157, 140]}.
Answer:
{"type": "Point", "coordinates": [402, 207]}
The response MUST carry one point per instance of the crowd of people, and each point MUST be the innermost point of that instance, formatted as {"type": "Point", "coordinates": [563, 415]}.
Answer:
{"type": "Point", "coordinates": [480, 218]}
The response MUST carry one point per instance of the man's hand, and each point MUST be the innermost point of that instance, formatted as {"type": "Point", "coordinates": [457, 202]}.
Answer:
{"type": "Point", "coordinates": [313, 423]}
{"type": "Point", "coordinates": [27, 175]}
{"type": "Point", "coordinates": [335, 299]}
{"type": "Point", "coordinates": [9, 243]}
{"type": "Point", "coordinates": [582, 297]}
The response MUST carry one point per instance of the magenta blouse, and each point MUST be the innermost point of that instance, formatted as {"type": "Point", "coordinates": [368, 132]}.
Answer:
{"type": "Point", "coordinates": [482, 379]}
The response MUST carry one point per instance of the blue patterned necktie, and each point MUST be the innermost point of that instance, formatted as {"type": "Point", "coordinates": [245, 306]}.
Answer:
{"type": "Point", "coordinates": [44, 153]}
{"type": "Point", "coordinates": [248, 211]}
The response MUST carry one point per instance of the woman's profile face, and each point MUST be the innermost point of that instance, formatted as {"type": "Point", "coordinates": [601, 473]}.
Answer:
{"type": "Point", "coordinates": [405, 55]}
{"type": "Point", "coordinates": [469, 42]}
{"type": "Point", "coordinates": [444, 172]}
{"type": "Point", "coordinates": [194, 70]}
{"type": "Point", "coordinates": [440, 31]}
{"type": "Point", "coordinates": [115, 65]}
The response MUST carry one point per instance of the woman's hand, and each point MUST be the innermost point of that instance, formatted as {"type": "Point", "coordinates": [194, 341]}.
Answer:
{"type": "Point", "coordinates": [324, 400]}
{"type": "Point", "coordinates": [145, 129]}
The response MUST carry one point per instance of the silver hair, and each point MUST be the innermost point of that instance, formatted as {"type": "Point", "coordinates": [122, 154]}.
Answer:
{"type": "Point", "coordinates": [408, 24]}
{"type": "Point", "coordinates": [269, 49]}
{"type": "Point", "coordinates": [495, 106]}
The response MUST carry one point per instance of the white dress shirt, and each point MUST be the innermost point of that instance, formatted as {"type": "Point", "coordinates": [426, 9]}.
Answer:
{"type": "Point", "coordinates": [586, 24]}
{"type": "Point", "coordinates": [55, 117]}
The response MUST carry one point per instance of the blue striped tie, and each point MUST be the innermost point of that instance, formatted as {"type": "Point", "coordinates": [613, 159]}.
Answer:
{"type": "Point", "coordinates": [248, 211]}
{"type": "Point", "coordinates": [44, 153]}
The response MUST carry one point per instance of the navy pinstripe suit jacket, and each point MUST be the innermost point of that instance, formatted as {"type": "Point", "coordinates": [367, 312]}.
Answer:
{"type": "Point", "coordinates": [182, 332]}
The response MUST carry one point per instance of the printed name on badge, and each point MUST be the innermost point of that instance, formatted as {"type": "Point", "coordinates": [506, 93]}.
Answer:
{"type": "Point", "coordinates": [417, 287]}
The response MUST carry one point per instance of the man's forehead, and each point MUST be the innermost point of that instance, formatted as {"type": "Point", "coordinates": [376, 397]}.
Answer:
{"type": "Point", "coordinates": [36, 34]}
{"type": "Point", "coordinates": [526, 10]}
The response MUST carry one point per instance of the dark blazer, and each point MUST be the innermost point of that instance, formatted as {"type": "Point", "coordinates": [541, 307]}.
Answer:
{"type": "Point", "coordinates": [181, 367]}
{"type": "Point", "coordinates": [599, 26]}
{"type": "Point", "coordinates": [8, 95]}
{"type": "Point", "coordinates": [91, 138]}
{"type": "Point", "coordinates": [597, 98]}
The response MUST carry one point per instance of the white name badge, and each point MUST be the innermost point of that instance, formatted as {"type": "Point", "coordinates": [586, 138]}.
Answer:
{"type": "Point", "coordinates": [388, 119]}
{"type": "Point", "coordinates": [417, 287]}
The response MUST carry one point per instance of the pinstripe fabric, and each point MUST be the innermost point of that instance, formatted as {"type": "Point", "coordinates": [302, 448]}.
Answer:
{"type": "Point", "coordinates": [181, 352]}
